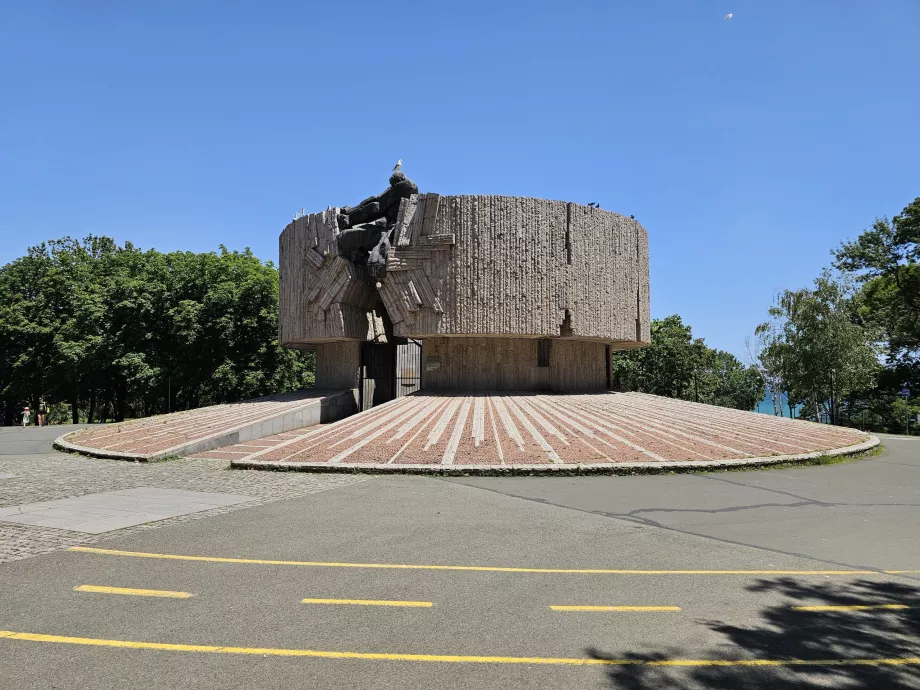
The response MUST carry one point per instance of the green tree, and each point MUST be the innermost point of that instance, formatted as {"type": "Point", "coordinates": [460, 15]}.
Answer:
{"type": "Point", "coordinates": [825, 355]}
{"type": "Point", "coordinates": [114, 331]}
{"type": "Point", "coordinates": [884, 259]}
{"type": "Point", "coordinates": [727, 382]}
{"type": "Point", "coordinates": [768, 364]}
{"type": "Point", "coordinates": [677, 365]}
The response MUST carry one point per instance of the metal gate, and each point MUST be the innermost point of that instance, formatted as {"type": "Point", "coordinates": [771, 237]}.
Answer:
{"type": "Point", "coordinates": [408, 367]}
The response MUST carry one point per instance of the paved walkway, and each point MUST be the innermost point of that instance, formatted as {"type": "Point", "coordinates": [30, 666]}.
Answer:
{"type": "Point", "coordinates": [35, 474]}
{"type": "Point", "coordinates": [179, 431]}
{"type": "Point", "coordinates": [528, 430]}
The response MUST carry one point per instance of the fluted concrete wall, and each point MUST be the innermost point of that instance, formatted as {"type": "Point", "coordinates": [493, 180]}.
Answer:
{"type": "Point", "coordinates": [514, 266]}
{"type": "Point", "coordinates": [499, 364]}
{"type": "Point", "coordinates": [337, 364]}
{"type": "Point", "coordinates": [474, 266]}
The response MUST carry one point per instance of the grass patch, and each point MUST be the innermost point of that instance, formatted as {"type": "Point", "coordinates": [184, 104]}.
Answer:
{"type": "Point", "coordinates": [165, 458]}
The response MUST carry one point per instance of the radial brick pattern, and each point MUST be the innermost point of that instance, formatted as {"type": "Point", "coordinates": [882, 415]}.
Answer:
{"type": "Point", "coordinates": [156, 434]}
{"type": "Point", "coordinates": [533, 429]}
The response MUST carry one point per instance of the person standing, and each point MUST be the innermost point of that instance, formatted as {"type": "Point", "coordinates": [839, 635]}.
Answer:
{"type": "Point", "coordinates": [25, 417]}
{"type": "Point", "coordinates": [42, 411]}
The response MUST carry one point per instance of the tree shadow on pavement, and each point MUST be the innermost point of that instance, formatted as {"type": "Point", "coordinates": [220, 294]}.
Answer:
{"type": "Point", "coordinates": [784, 633]}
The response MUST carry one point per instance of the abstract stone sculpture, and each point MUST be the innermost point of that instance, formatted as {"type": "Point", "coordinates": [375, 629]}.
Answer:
{"type": "Point", "coordinates": [366, 229]}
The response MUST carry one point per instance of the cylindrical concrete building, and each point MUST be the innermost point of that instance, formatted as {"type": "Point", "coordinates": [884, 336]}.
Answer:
{"type": "Point", "coordinates": [503, 293]}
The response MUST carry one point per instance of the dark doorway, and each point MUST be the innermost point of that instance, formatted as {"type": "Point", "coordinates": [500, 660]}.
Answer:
{"type": "Point", "coordinates": [607, 364]}
{"type": "Point", "coordinates": [378, 374]}
{"type": "Point", "coordinates": [389, 370]}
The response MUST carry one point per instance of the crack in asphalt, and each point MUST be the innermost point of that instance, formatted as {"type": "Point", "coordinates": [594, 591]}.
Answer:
{"type": "Point", "coordinates": [902, 464]}
{"type": "Point", "coordinates": [713, 511]}
{"type": "Point", "coordinates": [735, 509]}
{"type": "Point", "coordinates": [647, 522]}
{"type": "Point", "coordinates": [763, 488]}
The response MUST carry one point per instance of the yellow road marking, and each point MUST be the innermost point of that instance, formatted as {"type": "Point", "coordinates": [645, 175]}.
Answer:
{"type": "Point", "coordinates": [478, 568]}
{"type": "Point", "coordinates": [450, 658]}
{"type": "Point", "coordinates": [369, 602]}
{"type": "Point", "coordinates": [615, 608]}
{"type": "Point", "coordinates": [868, 607]}
{"type": "Point", "coordinates": [133, 592]}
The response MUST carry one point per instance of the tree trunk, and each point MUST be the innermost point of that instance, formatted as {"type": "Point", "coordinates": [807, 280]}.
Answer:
{"type": "Point", "coordinates": [120, 397]}
{"type": "Point", "coordinates": [74, 409]}
{"type": "Point", "coordinates": [92, 407]}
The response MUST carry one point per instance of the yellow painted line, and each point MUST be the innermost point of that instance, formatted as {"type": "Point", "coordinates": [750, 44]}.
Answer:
{"type": "Point", "coordinates": [133, 592]}
{"type": "Point", "coordinates": [867, 607]}
{"type": "Point", "coordinates": [477, 568]}
{"type": "Point", "coordinates": [369, 602]}
{"type": "Point", "coordinates": [448, 658]}
{"type": "Point", "coordinates": [615, 608]}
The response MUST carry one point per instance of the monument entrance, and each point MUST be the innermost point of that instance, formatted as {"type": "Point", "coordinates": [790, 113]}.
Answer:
{"type": "Point", "coordinates": [377, 374]}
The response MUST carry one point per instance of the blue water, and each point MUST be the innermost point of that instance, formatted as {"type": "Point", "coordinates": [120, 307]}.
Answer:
{"type": "Point", "coordinates": [765, 406]}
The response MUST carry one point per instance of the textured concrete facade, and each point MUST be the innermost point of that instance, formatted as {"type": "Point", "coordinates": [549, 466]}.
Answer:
{"type": "Point", "coordinates": [493, 273]}
{"type": "Point", "coordinates": [518, 267]}
{"type": "Point", "coordinates": [321, 296]}
{"type": "Point", "coordinates": [474, 265]}
{"type": "Point", "coordinates": [337, 364]}
{"type": "Point", "coordinates": [510, 364]}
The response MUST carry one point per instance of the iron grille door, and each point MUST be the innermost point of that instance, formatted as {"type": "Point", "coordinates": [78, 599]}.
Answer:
{"type": "Point", "coordinates": [408, 367]}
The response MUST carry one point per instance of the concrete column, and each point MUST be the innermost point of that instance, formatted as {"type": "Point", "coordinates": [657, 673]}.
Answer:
{"type": "Point", "coordinates": [337, 364]}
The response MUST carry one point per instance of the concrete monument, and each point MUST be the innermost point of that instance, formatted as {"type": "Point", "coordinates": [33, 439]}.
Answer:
{"type": "Point", "coordinates": [504, 293]}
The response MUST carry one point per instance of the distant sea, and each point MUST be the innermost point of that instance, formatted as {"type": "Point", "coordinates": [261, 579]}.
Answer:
{"type": "Point", "coordinates": [765, 406]}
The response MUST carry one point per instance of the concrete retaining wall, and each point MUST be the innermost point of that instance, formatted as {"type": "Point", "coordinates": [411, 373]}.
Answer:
{"type": "Point", "coordinates": [331, 408]}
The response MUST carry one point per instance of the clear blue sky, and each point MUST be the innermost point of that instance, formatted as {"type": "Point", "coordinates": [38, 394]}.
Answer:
{"type": "Point", "coordinates": [748, 148]}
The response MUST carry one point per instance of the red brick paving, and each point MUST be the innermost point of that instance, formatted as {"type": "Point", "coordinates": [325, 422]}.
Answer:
{"type": "Point", "coordinates": [156, 434]}
{"type": "Point", "coordinates": [531, 429]}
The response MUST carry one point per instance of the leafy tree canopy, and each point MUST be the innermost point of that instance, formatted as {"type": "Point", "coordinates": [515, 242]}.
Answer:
{"type": "Point", "coordinates": [822, 351]}
{"type": "Point", "coordinates": [678, 365]}
{"type": "Point", "coordinates": [884, 259]}
{"type": "Point", "coordinates": [113, 331]}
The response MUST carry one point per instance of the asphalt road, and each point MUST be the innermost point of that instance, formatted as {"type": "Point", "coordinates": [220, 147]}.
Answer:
{"type": "Point", "coordinates": [32, 440]}
{"type": "Point", "coordinates": [526, 545]}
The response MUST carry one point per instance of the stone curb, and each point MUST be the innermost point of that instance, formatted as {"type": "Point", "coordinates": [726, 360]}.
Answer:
{"type": "Point", "coordinates": [624, 468]}
{"type": "Point", "coordinates": [338, 405]}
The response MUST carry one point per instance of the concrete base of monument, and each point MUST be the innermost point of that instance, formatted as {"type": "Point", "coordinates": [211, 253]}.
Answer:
{"type": "Point", "coordinates": [195, 431]}
{"type": "Point", "coordinates": [458, 433]}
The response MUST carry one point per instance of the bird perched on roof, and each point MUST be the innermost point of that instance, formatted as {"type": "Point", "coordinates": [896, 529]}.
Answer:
{"type": "Point", "coordinates": [594, 204]}
{"type": "Point", "coordinates": [729, 15]}
{"type": "Point", "coordinates": [633, 217]}
{"type": "Point", "coordinates": [398, 165]}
